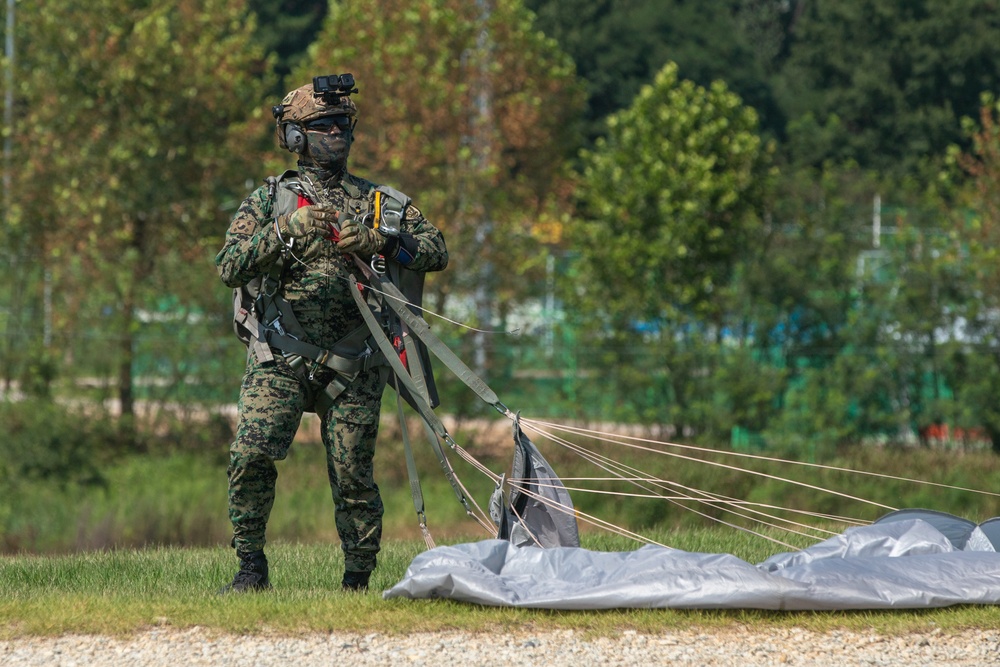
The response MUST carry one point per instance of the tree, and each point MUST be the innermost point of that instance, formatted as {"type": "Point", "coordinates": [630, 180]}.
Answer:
{"type": "Point", "coordinates": [673, 196]}
{"type": "Point", "coordinates": [884, 82]}
{"type": "Point", "coordinates": [974, 369]}
{"type": "Point", "coordinates": [135, 121]}
{"type": "Point", "coordinates": [286, 28]}
{"type": "Point", "coordinates": [468, 109]}
{"type": "Point", "coordinates": [738, 42]}
{"type": "Point", "coordinates": [672, 200]}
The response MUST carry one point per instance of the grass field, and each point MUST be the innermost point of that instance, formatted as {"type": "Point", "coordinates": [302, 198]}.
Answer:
{"type": "Point", "coordinates": [124, 591]}
{"type": "Point", "coordinates": [148, 548]}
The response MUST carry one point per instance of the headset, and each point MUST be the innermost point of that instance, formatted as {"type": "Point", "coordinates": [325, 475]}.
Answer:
{"type": "Point", "coordinates": [295, 139]}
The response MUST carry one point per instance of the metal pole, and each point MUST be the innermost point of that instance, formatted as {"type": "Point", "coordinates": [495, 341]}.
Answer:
{"type": "Point", "coordinates": [482, 135]}
{"type": "Point", "coordinates": [8, 118]}
{"type": "Point", "coordinates": [8, 103]}
{"type": "Point", "coordinates": [877, 221]}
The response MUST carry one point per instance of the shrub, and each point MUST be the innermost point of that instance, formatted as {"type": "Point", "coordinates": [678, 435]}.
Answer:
{"type": "Point", "coordinates": [44, 440]}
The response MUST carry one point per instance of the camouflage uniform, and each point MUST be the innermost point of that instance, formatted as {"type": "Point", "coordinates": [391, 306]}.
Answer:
{"type": "Point", "coordinates": [272, 396]}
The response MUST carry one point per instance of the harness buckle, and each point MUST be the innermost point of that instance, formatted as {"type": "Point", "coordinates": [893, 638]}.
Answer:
{"type": "Point", "coordinates": [276, 325]}
{"type": "Point", "coordinates": [267, 290]}
{"type": "Point", "coordinates": [367, 358]}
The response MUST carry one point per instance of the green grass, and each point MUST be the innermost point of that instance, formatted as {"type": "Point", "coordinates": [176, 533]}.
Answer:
{"type": "Point", "coordinates": [148, 549]}
{"type": "Point", "coordinates": [126, 591]}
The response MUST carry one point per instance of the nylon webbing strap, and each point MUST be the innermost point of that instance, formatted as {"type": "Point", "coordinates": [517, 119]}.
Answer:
{"type": "Point", "coordinates": [260, 348]}
{"type": "Point", "coordinates": [413, 362]}
{"type": "Point", "coordinates": [422, 330]}
{"type": "Point", "coordinates": [417, 400]}
{"type": "Point", "coordinates": [341, 364]}
{"type": "Point", "coordinates": [344, 365]}
{"type": "Point", "coordinates": [419, 403]}
{"type": "Point", "coordinates": [411, 471]}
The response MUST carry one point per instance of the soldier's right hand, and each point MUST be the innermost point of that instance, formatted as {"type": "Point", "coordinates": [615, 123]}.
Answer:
{"type": "Point", "coordinates": [306, 220]}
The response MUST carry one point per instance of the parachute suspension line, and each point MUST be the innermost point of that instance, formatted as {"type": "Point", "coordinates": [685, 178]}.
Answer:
{"type": "Point", "coordinates": [728, 500]}
{"type": "Point", "coordinates": [582, 431]}
{"type": "Point", "coordinates": [714, 499]}
{"type": "Point", "coordinates": [416, 397]}
{"type": "Point", "coordinates": [601, 460]}
{"type": "Point", "coordinates": [607, 464]}
{"type": "Point", "coordinates": [717, 500]}
{"type": "Point", "coordinates": [478, 515]}
{"type": "Point", "coordinates": [456, 483]}
{"type": "Point", "coordinates": [816, 515]}
{"type": "Point", "coordinates": [596, 460]}
{"type": "Point", "coordinates": [590, 518]}
{"type": "Point", "coordinates": [607, 525]}
{"type": "Point", "coordinates": [474, 462]}
{"type": "Point", "coordinates": [420, 329]}
{"type": "Point", "coordinates": [737, 468]}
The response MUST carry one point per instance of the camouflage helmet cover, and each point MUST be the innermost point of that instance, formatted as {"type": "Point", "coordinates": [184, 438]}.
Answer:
{"type": "Point", "coordinates": [303, 105]}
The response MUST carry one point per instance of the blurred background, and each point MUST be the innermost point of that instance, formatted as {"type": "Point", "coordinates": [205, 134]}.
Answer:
{"type": "Point", "coordinates": [770, 225]}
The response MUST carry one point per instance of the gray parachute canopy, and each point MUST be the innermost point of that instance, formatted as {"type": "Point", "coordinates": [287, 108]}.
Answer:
{"type": "Point", "coordinates": [908, 559]}
{"type": "Point", "coordinates": [538, 511]}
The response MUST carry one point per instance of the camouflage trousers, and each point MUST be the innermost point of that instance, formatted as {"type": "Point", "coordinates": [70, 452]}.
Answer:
{"type": "Point", "coordinates": [272, 401]}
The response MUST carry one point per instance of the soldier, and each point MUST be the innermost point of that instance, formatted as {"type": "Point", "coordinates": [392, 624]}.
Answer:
{"type": "Point", "coordinates": [290, 250]}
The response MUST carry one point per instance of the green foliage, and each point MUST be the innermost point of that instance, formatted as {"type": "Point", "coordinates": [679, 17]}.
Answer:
{"type": "Point", "coordinates": [286, 28]}
{"type": "Point", "coordinates": [966, 278]}
{"type": "Point", "coordinates": [126, 148]}
{"type": "Point", "coordinates": [39, 369]}
{"type": "Point", "coordinates": [885, 82]}
{"type": "Point", "coordinates": [48, 442]}
{"type": "Point", "coordinates": [618, 48]}
{"type": "Point", "coordinates": [693, 295]}
{"type": "Point", "coordinates": [673, 197]}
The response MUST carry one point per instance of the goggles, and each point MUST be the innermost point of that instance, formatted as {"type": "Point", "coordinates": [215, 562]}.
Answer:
{"type": "Point", "coordinates": [327, 123]}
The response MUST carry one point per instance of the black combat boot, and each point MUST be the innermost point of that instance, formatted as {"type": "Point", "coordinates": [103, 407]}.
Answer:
{"type": "Point", "coordinates": [252, 575]}
{"type": "Point", "coordinates": [355, 581]}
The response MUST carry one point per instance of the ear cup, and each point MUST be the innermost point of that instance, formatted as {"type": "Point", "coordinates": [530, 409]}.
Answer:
{"type": "Point", "coordinates": [295, 140]}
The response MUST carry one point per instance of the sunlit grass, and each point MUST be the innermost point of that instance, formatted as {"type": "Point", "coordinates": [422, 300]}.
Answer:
{"type": "Point", "coordinates": [125, 591]}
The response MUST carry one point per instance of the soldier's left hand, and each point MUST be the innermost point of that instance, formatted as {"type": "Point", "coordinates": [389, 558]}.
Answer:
{"type": "Point", "coordinates": [359, 238]}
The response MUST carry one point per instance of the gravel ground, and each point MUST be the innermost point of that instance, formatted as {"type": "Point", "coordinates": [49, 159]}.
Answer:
{"type": "Point", "coordinates": [726, 647]}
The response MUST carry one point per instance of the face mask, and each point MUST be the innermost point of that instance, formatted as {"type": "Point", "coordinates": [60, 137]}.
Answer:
{"type": "Point", "coordinates": [329, 150]}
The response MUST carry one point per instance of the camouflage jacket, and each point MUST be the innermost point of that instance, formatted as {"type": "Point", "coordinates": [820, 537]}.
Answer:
{"type": "Point", "coordinates": [317, 277]}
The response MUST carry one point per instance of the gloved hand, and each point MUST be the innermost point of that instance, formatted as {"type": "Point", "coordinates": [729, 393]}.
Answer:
{"type": "Point", "coordinates": [306, 220]}
{"type": "Point", "coordinates": [359, 238]}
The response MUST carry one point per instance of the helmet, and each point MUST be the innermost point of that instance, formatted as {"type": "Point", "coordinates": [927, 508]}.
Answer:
{"type": "Point", "coordinates": [303, 105]}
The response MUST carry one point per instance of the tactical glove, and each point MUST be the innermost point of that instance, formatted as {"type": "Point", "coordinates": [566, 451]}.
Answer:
{"type": "Point", "coordinates": [306, 220]}
{"type": "Point", "coordinates": [358, 238]}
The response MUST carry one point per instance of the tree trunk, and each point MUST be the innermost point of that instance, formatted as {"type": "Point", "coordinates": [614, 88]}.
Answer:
{"type": "Point", "coordinates": [125, 381]}
{"type": "Point", "coordinates": [994, 435]}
